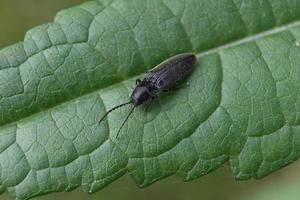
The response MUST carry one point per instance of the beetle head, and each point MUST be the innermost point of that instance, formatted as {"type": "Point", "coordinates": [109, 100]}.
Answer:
{"type": "Point", "coordinates": [139, 95]}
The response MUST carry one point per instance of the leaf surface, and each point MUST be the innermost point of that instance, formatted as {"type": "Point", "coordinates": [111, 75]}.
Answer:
{"type": "Point", "coordinates": [242, 104]}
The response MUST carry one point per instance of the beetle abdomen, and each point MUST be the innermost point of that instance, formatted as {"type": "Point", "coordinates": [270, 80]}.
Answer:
{"type": "Point", "coordinates": [171, 71]}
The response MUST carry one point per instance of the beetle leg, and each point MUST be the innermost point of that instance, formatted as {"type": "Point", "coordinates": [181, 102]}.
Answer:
{"type": "Point", "coordinates": [148, 102]}
{"type": "Point", "coordinates": [137, 81]}
{"type": "Point", "coordinates": [178, 87]}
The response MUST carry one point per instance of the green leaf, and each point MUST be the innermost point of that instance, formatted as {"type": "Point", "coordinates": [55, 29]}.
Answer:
{"type": "Point", "coordinates": [242, 105]}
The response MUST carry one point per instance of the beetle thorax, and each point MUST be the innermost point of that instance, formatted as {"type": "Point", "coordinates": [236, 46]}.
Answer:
{"type": "Point", "coordinates": [139, 95]}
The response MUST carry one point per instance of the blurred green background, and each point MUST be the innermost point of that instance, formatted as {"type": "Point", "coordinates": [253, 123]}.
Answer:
{"type": "Point", "coordinates": [17, 16]}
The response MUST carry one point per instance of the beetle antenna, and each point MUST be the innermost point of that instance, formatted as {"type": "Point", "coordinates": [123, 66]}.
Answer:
{"type": "Point", "coordinates": [114, 108]}
{"type": "Point", "coordinates": [125, 121]}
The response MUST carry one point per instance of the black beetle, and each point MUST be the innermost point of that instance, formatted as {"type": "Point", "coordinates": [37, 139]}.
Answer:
{"type": "Point", "coordinates": [163, 77]}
